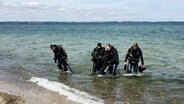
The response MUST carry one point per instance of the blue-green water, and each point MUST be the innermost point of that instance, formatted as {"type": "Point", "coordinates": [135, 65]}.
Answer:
{"type": "Point", "coordinates": [25, 50]}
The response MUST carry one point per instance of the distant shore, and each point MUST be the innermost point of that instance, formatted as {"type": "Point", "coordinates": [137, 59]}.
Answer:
{"type": "Point", "coordinates": [86, 22]}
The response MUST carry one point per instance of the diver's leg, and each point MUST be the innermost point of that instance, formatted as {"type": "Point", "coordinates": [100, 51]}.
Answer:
{"type": "Point", "coordinates": [65, 65]}
{"type": "Point", "coordinates": [129, 70]}
{"type": "Point", "coordinates": [60, 65]}
{"type": "Point", "coordinates": [100, 65]}
{"type": "Point", "coordinates": [135, 67]}
{"type": "Point", "coordinates": [94, 67]}
{"type": "Point", "coordinates": [114, 68]}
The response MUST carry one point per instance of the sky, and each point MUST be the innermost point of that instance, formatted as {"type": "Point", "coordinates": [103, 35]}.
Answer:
{"type": "Point", "coordinates": [91, 10]}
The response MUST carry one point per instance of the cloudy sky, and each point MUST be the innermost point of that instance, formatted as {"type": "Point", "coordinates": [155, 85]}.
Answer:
{"type": "Point", "coordinates": [91, 10]}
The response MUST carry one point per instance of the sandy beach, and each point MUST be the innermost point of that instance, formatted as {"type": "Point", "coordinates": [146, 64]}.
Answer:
{"type": "Point", "coordinates": [6, 98]}
{"type": "Point", "coordinates": [15, 90]}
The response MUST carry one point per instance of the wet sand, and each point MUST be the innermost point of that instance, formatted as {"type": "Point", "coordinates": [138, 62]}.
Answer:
{"type": "Point", "coordinates": [6, 98]}
{"type": "Point", "coordinates": [15, 90]}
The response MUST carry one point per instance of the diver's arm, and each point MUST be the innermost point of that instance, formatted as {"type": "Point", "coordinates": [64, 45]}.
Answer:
{"type": "Point", "coordinates": [126, 57]}
{"type": "Point", "coordinates": [55, 58]}
{"type": "Point", "coordinates": [93, 53]}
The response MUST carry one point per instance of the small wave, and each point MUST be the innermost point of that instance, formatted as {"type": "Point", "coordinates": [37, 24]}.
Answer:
{"type": "Point", "coordinates": [71, 93]}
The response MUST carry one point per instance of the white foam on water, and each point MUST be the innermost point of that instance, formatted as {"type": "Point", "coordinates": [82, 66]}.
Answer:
{"type": "Point", "coordinates": [71, 93]}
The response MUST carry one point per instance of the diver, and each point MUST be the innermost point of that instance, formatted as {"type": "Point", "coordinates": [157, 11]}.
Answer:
{"type": "Point", "coordinates": [111, 61]}
{"type": "Point", "coordinates": [97, 58]}
{"type": "Point", "coordinates": [133, 56]}
{"type": "Point", "coordinates": [60, 57]}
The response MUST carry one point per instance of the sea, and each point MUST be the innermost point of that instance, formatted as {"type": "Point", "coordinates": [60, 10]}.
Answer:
{"type": "Point", "coordinates": [25, 51]}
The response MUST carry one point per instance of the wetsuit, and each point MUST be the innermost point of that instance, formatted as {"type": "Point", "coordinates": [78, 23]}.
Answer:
{"type": "Point", "coordinates": [60, 57]}
{"type": "Point", "coordinates": [97, 58]}
{"type": "Point", "coordinates": [111, 62]}
{"type": "Point", "coordinates": [133, 56]}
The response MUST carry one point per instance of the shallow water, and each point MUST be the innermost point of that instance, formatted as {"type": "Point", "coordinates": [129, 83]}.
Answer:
{"type": "Point", "coordinates": [25, 50]}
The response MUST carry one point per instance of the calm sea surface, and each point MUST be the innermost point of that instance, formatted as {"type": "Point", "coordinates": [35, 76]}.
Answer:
{"type": "Point", "coordinates": [24, 49]}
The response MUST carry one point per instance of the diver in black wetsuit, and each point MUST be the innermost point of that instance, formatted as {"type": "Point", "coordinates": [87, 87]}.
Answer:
{"type": "Point", "coordinates": [60, 57]}
{"type": "Point", "coordinates": [133, 56]}
{"type": "Point", "coordinates": [111, 60]}
{"type": "Point", "coordinates": [97, 58]}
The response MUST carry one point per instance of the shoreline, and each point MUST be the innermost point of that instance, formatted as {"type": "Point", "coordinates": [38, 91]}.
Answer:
{"type": "Point", "coordinates": [20, 91]}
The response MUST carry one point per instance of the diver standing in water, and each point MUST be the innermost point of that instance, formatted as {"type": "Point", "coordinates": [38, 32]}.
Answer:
{"type": "Point", "coordinates": [60, 57]}
{"type": "Point", "coordinates": [97, 58]}
{"type": "Point", "coordinates": [133, 56]}
{"type": "Point", "coordinates": [111, 61]}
